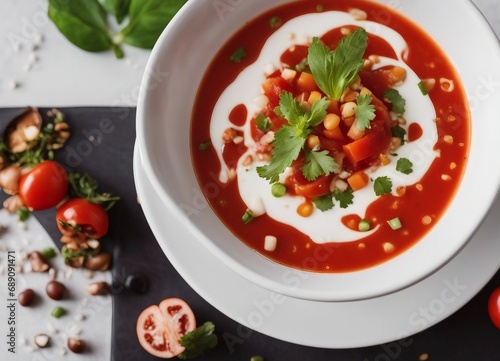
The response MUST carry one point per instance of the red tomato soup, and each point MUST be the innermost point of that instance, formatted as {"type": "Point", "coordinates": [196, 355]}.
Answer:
{"type": "Point", "coordinates": [322, 152]}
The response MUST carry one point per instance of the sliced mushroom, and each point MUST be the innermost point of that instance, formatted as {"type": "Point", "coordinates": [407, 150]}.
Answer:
{"type": "Point", "coordinates": [23, 130]}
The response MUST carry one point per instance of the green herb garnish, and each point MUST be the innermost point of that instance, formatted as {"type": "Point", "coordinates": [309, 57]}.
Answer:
{"type": "Point", "coordinates": [345, 198]}
{"type": "Point", "coordinates": [397, 101]}
{"type": "Point", "coordinates": [197, 342]}
{"type": "Point", "coordinates": [423, 88]}
{"type": "Point", "coordinates": [334, 71]}
{"type": "Point", "coordinates": [84, 186]}
{"type": "Point", "coordinates": [23, 214]}
{"type": "Point", "coordinates": [247, 216]}
{"type": "Point", "coordinates": [399, 132]}
{"type": "Point", "coordinates": [262, 122]}
{"type": "Point", "coordinates": [382, 186]}
{"type": "Point", "coordinates": [238, 55]}
{"type": "Point", "coordinates": [275, 22]}
{"type": "Point", "coordinates": [324, 203]}
{"type": "Point", "coordinates": [365, 112]}
{"type": "Point", "coordinates": [404, 166]}
{"type": "Point", "coordinates": [204, 145]}
{"type": "Point", "coordinates": [290, 139]}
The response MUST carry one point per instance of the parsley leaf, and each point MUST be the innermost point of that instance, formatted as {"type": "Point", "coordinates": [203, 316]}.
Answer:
{"type": "Point", "coordinates": [344, 197]}
{"type": "Point", "coordinates": [404, 166]}
{"type": "Point", "coordinates": [382, 186]}
{"type": "Point", "coordinates": [289, 140]}
{"type": "Point", "coordinates": [334, 71]}
{"type": "Point", "coordinates": [324, 203]}
{"type": "Point", "coordinates": [287, 148]}
{"type": "Point", "coordinates": [238, 55]}
{"type": "Point", "coordinates": [318, 163]}
{"type": "Point", "coordinates": [198, 341]}
{"type": "Point", "coordinates": [365, 112]}
{"type": "Point", "coordinates": [397, 101]}
{"type": "Point", "coordinates": [399, 132]}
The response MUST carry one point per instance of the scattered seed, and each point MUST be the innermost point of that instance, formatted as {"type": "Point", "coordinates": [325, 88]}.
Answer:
{"type": "Point", "coordinates": [453, 165]}
{"type": "Point", "coordinates": [420, 187]}
{"type": "Point", "coordinates": [426, 220]}
{"type": "Point", "coordinates": [388, 247]}
{"type": "Point", "coordinates": [445, 177]}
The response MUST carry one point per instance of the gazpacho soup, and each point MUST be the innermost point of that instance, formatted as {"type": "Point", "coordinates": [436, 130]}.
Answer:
{"type": "Point", "coordinates": [336, 131]}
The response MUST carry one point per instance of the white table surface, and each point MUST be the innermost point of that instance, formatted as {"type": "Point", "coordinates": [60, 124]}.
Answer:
{"type": "Point", "coordinates": [39, 67]}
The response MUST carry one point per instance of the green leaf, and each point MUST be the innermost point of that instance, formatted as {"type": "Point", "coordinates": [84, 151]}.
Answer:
{"type": "Point", "coordinates": [238, 55]}
{"type": "Point", "coordinates": [318, 112]}
{"type": "Point", "coordinates": [262, 122]}
{"type": "Point", "coordinates": [404, 166]}
{"type": "Point", "coordinates": [324, 203]}
{"type": "Point", "coordinates": [318, 163]}
{"type": "Point", "coordinates": [290, 109]}
{"type": "Point", "coordinates": [84, 186]}
{"type": "Point", "coordinates": [397, 101]}
{"type": "Point", "coordinates": [365, 112]}
{"type": "Point", "coordinates": [287, 147]}
{"type": "Point", "coordinates": [334, 71]}
{"type": "Point", "coordinates": [345, 198]}
{"type": "Point", "coordinates": [147, 19]}
{"type": "Point", "coordinates": [82, 22]}
{"type": "Point", "coordinates": [399, 132]}
{"type": "Point", "coordinates": [197, 342]}
{"type": "Point", "coordinates": [382, 186]}
{"type": "Point", "coordinates": [118, 8]}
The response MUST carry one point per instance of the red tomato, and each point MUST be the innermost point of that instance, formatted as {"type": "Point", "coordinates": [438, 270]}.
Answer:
{"type": "Point", "coordinates": [82, 216]}
{"type": "Point", "coordinates": [494, 307]}
{"type": "Point", "coordinates": [160, 328]}
{"type": "Point", "coordinates": [44, 186]}
{"type": "Point", "coordinates": [299, 185]}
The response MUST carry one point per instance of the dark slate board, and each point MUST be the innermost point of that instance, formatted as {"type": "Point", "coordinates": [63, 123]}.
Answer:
{"type": "Point", "coordinates": [466, 335]}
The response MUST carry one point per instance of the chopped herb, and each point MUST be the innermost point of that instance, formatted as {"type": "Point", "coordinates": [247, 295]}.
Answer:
{"type": "Point", "coordinates": [319, 8]}
{"type": "Point", "coordinates": [278, 190]}
{"type": "Point", "coordinates": [302, 66]}
{"type": "Point", "coordinates": [324, 203]}
{"type": "Point", "coordinates": [423, 88]}
{"type": "Point", "coordinates": [48, 253]}
{"type": "Point", "coordinates": [395, 223]}
{"type": "Point", "coordinates": [275, 21]}
{"type": "Point", "coordinates": [345, 198]}
{"type": "Point", "coordinates": [197, 342]}
{"type": "Point", "coordinates": [399, 132]}
{"type": "Point", "coordinates": [204, 145]}
{"type": "Point", "coordinates": [84, 186]}
{"type": "Point", "coordinates": [23, 214]}
{"type": "Point", "coordinates": [382, 186]}
{"type": "Point", "coordinates": [318, 163]}
{"type": "Point", "coordinates": [290, 139]}
{"type": "Point", "coordinates": [364, 225]}
{"type": "Point", "coordinates": [262, 122]}
{"type": "Point", "coordinates": [238, 55]}
{"type": "Point", "coordinates": [397, 101]}
{"type": "Point", "coordinates": [335, 71]}
{"type": "Point", "coordinates": [365, 112]}
{"type": "Point", "coordinates": [247, 216]}
{"type": "Point", "coordinates": [404, 166]}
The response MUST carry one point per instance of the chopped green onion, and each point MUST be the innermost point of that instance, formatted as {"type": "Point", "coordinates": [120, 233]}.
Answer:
{"type": "Point", "coordinates": [48, 253]}
{"type": "Point", "coordinates": [364, 226]}
{"type": "Point", "coordinates": [395, 223]}
{"type": "Point", "coordinates": [423, 88]}
{"type": "Point", "coordinates": [204, 146]}
{"type": "Point", "coordinates": [247, 217]}
{"type": "Point", "coordinates": [262, 122]}
{"type": "Point", "coordinates": [238, 55]}
{"type": "Point", "coordinates": [278, 190]}
{"type": "Point", "coordinates": [57, 312]}
{"type": "Point", "coordinates": [275, 21]}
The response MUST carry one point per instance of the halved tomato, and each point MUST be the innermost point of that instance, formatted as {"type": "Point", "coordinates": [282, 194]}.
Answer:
{"type": "Point", "coordinates": [160, 328]}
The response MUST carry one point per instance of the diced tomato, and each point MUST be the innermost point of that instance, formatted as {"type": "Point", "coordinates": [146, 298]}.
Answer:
{"type": "Point", "coordinates": [273, 87]}
{"type": "Point", "coordinates": [379, 80]}
{"type": "Point", "coordinates": [300, 186]}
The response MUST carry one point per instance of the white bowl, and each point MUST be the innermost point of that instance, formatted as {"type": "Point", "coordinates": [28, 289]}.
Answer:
{"type": "Point", "coordinates": [169, 87]}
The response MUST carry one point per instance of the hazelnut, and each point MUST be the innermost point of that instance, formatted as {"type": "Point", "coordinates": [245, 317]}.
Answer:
{"type": "Point", "coordinates": [76, 345]}
{"type": "Point", "coordinates": [55, 290]}
{"type": "Point", "coordinates": [98, 288]}
{"type": "Point", "coordinates": [99, 262]}
{"type": "Point", "coordinates": [26, 297]}
{"type": "Point", "coordinates": [42, 340]}
{"type": "Point", "coordinates": [13, 203]}
{"type": "Point", "coordinates": [38, 262]}
{"type": "Point", "coordinates": [9, 179]}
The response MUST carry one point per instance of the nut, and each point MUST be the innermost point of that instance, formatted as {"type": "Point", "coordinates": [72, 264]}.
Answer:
{"type": "Point", "coordinates": [92, 244]}
{"type": "Point", "coordinates": [9, 179]}
{"type": "Point", "coordinates": [98, 288]}
{"type": "Point", "coordinates": [42, 340]}
{"type": "Point", "coordinates": [55, 290]}
{"type": "Point", "coordinates": [26, 297]}
{"type": "Point", "coordinates": [22, 131]}
{"type": "Point", "coordinates": [76, 345]}
{"type": "Point", "coordinates": [13, 203]}
{"type": "Point", "coordinates": [38, 262]}
{"type": "Point", "coordinates": [99, 262]}
{"type": "Point", "coordinates": [75, 262]}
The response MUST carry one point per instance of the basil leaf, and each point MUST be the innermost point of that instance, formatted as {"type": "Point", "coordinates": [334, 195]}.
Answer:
{"type": "Point", "coordinates": [118, 8]}
{"type": "Point", "coordinates": [82, 22]}
{"type": "Point", "coordinates": [147, 19]}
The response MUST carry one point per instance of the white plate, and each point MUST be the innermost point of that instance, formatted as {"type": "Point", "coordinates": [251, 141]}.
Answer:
{"type": "Point", "coordinates": [322, 324]}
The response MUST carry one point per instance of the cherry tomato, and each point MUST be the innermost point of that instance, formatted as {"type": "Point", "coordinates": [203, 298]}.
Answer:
{"type": "Point", "coordinates": [44, 186]}
{"type": "Point", "coordinates": [160, 328]}
{"type": "Point", "coordinates": [81, 216]}
{"type": "Point", "coordinates": [494, 307]}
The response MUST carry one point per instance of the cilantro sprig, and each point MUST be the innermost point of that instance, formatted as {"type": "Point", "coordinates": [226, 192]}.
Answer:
{"type": "Point", "coordinates": [335, 70]}
{"type": "Point", "coordinates": [290, 140]}
{"type": "Point", "coordinates": [198, 341]}
{"type": "Point", "coordinates": [365, 112]}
